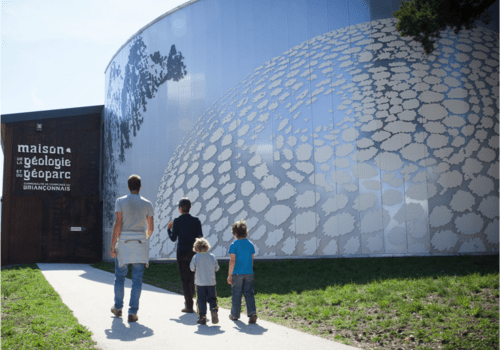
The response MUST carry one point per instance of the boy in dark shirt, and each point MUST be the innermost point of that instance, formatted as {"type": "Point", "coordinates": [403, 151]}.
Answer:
{"type": "Point", "coordinates": [186, 228]}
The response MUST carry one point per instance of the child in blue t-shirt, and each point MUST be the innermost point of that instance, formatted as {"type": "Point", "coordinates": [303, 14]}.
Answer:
{"type": "Point", "coordinates": [241, 276]}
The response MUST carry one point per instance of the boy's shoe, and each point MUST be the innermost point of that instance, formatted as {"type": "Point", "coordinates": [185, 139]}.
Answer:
{"type": "Point", "coordinates": [202, 320]}
{"type": "Point", "coordinates": [132, 318]}
{"type": "Point", "coordinates": [252, 319]}
{"type": "Point", "coordinates": [215, 317]}
{"type": "Point", "coordinates": [117, 313]}
{"type": "Point", "coordinates": [231, 317]}
{"type": "Point", "coordinates": [189, 311]}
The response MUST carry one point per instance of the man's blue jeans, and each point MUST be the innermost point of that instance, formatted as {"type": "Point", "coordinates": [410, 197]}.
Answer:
{"type": "Point", "coordinates": [135, 294]}
{"type": "Point", "coordinates": [242, 284]}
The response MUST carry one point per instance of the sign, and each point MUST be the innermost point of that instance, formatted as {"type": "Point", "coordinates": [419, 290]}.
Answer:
{"type": "Point", "coordinates": [43, 168]}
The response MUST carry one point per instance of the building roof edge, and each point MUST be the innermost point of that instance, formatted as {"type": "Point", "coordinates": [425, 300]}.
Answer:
{"type": "Point", "coordinates": [52, 113]}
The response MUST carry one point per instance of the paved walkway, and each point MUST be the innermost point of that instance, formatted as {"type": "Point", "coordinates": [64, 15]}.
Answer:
{"type": "Point", "coordinates": [88, 292]}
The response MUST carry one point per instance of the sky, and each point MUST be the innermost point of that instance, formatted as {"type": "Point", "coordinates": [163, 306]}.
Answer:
{"type": "Point", "coordinates": [54, 53]}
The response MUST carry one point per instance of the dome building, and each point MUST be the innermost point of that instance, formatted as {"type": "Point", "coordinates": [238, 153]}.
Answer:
{"type": "Point", "coordinates": [315, 121]}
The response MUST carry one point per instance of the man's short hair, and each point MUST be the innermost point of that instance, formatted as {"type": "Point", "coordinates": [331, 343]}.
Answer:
{"type": "Point", "coordinates": [185, 204]}
{"type": "Point", "coordinates": [239, 229]}
{"type": "Point", "coordinates": [134, 183]}
{"type": "Point", "coordinates": [202, 245]}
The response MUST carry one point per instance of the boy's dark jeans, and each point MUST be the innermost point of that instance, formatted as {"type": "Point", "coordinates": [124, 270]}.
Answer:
{"type": "Point", "coordinates": [187, 276]}
{"type": "Point", "coordinates": [206, 293]}
{"type": "Point", "coordinates": [242, 284]}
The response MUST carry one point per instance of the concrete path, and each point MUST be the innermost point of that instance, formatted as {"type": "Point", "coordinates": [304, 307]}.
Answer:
{"type": "Point", "coordinates": [88, 292]}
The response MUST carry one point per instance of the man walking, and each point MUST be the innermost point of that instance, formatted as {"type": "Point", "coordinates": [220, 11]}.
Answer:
{"type": "Point", "coordinates": [187, 228]}
{"type": "Point", "coordinates": [129, 245]}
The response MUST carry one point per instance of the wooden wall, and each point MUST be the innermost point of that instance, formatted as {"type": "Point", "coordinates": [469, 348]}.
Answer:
{"type": "Point", "coordinates": [36, 223]}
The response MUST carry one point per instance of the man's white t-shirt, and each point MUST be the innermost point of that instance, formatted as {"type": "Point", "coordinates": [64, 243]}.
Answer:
{"type": "Point", "coordinates": [135, 209]}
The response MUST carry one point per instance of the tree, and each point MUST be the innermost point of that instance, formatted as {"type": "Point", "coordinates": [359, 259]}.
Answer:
{"type": "Point", "coordinates": [424, 19]}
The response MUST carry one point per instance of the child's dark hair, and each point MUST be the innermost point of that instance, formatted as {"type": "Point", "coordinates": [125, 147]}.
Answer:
{"type": "Point", "coordinates": [185, 204]}
{"type": "Point", "coordinates": [239, 229]}
{"type": "Point", "coordinates": [201, 244]}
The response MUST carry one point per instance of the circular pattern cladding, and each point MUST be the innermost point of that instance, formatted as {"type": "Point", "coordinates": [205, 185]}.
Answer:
{"type": "Point", "coordinates": [325, 147]}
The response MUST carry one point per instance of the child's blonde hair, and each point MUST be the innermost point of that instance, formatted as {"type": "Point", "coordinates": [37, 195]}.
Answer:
{"type": "Point", "coordinates": [201, 244]}
{"type": "Point", "coordinates": [239, 229]}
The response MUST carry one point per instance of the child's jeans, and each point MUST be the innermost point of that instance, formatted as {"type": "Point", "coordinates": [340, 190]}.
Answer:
{"type": "Point", "coordinates": [242, 284]}
{"type": "Point", "coordinates": [206, 293]}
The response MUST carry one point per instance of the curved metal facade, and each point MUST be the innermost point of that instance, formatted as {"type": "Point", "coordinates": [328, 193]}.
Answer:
{"type": "Point", "coordinates": [314, 121]}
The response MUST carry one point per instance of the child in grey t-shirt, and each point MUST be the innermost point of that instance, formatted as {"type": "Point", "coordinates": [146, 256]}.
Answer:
{"type": "Point", "coordinates": [204, 266]}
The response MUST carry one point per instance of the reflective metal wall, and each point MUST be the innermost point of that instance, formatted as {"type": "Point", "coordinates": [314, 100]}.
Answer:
{"type": "Point", "coordinates": [315, 122]}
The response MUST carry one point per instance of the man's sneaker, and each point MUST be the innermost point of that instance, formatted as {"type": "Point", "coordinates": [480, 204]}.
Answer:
{"type": "Point", "coordinates": [132, 318]}
{"type": "Point", "coordinates": [215, 317]}
{"type": "Point", "coordinates": [202, 320]}
{"type": "Point", "coordinates": [187, 310]}
{"type": "Point", "coordinates": [231, 317]}
{"type": "Point", "coordinates": [252, 319]}
{"type": "Point", "coordinates": [117, 313]}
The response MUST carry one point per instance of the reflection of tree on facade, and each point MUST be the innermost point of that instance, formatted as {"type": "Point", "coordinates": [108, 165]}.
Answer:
{"type": "Point", "coordinates": [109, 182]}
{"type": "Point", "coordinates": [143, 76]}
{"type": "Point", "coordinates": [424, 19]}
{"type": "Point", "coordinates": [126, 99]}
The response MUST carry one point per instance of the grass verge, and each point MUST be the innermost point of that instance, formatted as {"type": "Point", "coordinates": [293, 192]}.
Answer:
{"type": "Point", "coordinates": [372, 303]}
{"type": "Point", "coordinates": [33, 315]}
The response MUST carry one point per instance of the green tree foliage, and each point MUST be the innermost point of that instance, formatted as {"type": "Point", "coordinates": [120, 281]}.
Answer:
{"type": "Point", "coordinates": [424, 19]}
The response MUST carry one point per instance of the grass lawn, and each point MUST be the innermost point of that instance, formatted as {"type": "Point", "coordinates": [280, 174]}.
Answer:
{"type": "Point", "coordinates": [33, 315]}
{"type": "Point", "coordinates": [372, 303]}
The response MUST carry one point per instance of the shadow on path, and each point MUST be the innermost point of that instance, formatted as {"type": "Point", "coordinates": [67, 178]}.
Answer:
{"type": "Point", "coordinates": [186, 319]}
{"type": "Point", "coordinates": [209, 329]}
{"type": "Point", "coordinates": [255, 329]}
{"type": "Point", "coordinates": [190, 320]}
{"type": "Point", "coordinates": [121, 332]}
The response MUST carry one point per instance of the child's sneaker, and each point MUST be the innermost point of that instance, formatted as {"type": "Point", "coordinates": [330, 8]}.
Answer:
{"type": "Point", "coordinates": [231, 317]}
{"type": "Point", "coordinates": [252, 319]}
{"type": "Point", "coordinates": [202, 320]}
{"type": "Point", "coordinates": [215, 317]}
